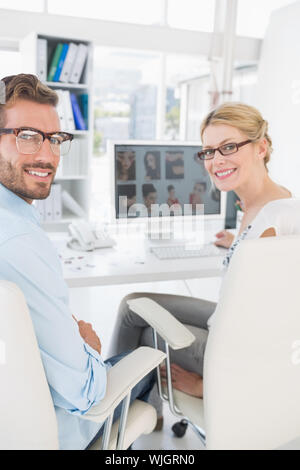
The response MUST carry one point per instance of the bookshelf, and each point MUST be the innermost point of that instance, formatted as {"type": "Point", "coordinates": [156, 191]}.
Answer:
{"type": "Point", "coordinates": [74, 171]}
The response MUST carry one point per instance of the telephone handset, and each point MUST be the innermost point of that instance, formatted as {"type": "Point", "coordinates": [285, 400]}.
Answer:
{"type": "Point", "coordinates": [86, 239]}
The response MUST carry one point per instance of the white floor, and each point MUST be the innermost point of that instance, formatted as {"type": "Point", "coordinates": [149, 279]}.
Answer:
{"type": "Point", "coordinates": [166, 440]}
{"type": "Point", "coordinates": [99, 306]}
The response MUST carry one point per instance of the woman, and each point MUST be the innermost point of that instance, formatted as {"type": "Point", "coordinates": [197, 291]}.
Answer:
{"type": "Point", "coordinates": [126, 166]}
{"type": "Point", "coordinates": [152, 165]}
{"type": "Point", "coordinates": [236, 151]}
{"type": "Point", "coordinates": [172, 199]}
{"type": "Point", "coordinates": [197, 194]}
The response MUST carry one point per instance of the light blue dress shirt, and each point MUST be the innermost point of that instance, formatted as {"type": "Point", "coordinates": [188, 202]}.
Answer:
{"type": "Point", "coordinates": [75, 372]}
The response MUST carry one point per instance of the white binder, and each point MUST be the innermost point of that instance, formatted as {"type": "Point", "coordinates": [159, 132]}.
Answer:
{"type": "Point", "coordinates": [48, 207]}
{"type": "Point", "coordinates": [42, 59]}
{"type": "Point", "coordinates": [40, 206]}
{"type": "Point", "coordinates": [68, 111]}
{"type": "Point", "coordinates": [61, 111]}
{"type": "Point", "coordinates": [79, 63]}
{"type": "Point", "coordinates": [68, 63]}
{"type": "Point", "coordinates": [59, 170]}
{"type": "Point", "coordinates": [56, 201]}
{"type": "Point", "coordinates": [75, 158]}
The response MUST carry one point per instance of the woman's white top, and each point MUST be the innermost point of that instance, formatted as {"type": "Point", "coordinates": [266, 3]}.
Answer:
{"type": "Point", "coordinates": [281, 214]}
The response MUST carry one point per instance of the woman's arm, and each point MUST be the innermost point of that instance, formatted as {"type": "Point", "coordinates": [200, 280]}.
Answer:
{"type": "Point", "coordinates": [270, 232]}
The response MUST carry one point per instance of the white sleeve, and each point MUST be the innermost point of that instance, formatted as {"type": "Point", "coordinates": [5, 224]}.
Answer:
{"type": "Point", "coordinates": [283, 215]}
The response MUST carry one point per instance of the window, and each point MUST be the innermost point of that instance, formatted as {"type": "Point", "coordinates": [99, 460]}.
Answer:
{"type": "Point", "coordinates": [199, 97]}
{"type": "Point", "coordinates": [131, 11]}
{"type": "Point", "coordinates": [28, 5]}
{"type": "Point", "coordinates": [195, 15]}
{"type": "Point", "coordinates": [125, 107]}
{"type": "Point", "coordinates": [178, 69]}
{"type": "Point", "coordinates": [125, 89]}
{"type": "Point", "coordinates": [253, 16]}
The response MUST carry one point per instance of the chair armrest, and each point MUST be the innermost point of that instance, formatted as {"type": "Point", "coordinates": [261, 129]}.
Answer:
{"type": "Point", "coordinates": [167, 326]}
{"type": "Point", "coordinates": [121, 379]}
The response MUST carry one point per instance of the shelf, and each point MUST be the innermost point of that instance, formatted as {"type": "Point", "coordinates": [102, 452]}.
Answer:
{"type": "Point", "coordinates": [67, 218]}
{"type": "Point", "coordinates": [64, 178]}
{"type": "Point", "coordinates": [74, 175]}
{"type": "Point", "coordinates": [78, 132]}
{"type": "Point", "coordinates": [80, 86]}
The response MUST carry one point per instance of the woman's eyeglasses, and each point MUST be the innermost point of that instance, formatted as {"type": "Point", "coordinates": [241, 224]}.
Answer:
{"type": "Point", "coordinates": [30, 140]}
{"type": "Point", "coordinates": [226, 149]}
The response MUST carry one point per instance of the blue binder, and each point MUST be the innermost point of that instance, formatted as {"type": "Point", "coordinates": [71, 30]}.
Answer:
{"type": "Point", "coordinates": [61, 62]}
{"type": "Point", "coordinates": [78, 118]}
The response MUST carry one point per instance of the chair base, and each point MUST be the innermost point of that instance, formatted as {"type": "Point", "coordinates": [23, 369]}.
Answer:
{"type": "Point", "coordinates": [179, 428]}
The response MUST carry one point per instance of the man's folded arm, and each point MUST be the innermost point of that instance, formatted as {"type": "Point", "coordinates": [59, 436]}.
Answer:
{"type": "Point", "coordinates": [75, 372]}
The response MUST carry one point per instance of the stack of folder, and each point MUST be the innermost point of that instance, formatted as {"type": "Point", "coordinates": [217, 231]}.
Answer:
{"type": "Point", "coordinates": [75, 163]}
{"type": "Point", "coordinates": [72, 110]}
{"type": "Point", "coordinates": [67, 63]}
{"type": "Point", "coordinates": [50, 209]}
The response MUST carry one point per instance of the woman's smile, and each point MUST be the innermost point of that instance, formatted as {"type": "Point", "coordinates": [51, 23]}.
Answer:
{"type": "Point", "coordinates": [223, 174]}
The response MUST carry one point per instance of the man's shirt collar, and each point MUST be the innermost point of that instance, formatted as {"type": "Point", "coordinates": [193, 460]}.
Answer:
{"type": "Point", "coordinates": [14, 203]}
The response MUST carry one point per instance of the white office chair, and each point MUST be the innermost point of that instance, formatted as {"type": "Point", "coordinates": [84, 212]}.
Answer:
{"type": "Point", "coordinates": [252, 357]}
{"type": "Point", "coordinates": [28, 419]}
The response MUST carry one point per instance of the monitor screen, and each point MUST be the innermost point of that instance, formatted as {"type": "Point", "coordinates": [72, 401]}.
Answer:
{"type": "Point", "coordinates": [152, 178]}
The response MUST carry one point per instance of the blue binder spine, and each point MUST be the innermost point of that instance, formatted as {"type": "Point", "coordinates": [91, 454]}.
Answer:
{"type": "Point", "coordinates": [61, 62]}
{"type": "Point", "coordinates": [78, 118]}
{"type": "Point", "coordinates": [84, 104]}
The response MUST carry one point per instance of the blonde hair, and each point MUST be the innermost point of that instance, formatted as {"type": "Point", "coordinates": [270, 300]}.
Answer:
{"type": "Point", "coordinates": [243, 117]}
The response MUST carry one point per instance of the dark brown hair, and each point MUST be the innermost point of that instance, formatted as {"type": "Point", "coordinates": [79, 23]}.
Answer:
{"type": "Point", "coordinates": [26, 87]}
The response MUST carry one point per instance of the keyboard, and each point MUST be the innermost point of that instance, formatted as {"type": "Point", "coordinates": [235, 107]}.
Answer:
{"type": "Point", "coordinates": [185, 251]}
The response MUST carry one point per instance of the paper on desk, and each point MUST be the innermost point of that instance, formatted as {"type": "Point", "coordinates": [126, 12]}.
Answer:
{"type": "Point", "coordinates": [76, 263]}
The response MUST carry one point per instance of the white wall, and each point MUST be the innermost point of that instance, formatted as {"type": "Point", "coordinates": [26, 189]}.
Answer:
{"type": "Point", "coordinates": [278, 93]}
{"type": "Point", "coordinates": [17, 24]}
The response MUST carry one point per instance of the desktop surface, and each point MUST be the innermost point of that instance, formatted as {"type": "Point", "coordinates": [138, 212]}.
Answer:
{"type": "Point", "coordinates": [129, 261]}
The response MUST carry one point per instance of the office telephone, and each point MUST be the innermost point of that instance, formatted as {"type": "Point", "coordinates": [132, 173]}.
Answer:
{"type": "Point", "coordinates": [84, 238]}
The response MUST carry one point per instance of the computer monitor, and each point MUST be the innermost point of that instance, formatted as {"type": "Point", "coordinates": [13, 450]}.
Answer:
{"type": "Point", "coordinates": [161, 175]}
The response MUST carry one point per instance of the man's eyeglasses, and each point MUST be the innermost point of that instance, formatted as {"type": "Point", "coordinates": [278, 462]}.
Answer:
{"type": "Point", "coordinates": [226, 149]}
{"type": "Point", "coordinates": [30, 140]}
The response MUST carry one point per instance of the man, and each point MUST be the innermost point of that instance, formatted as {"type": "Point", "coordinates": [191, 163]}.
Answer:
{"type": "Point", "coordinates": [30, 148]}
{"type": "Point", "coordinates": [149, 195]}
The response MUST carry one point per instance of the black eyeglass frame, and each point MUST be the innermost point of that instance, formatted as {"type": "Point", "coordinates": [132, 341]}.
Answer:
{"type": "Point", "coordinates": [237, 147]}
{"type": "Point", "coordinates": [46, 135]}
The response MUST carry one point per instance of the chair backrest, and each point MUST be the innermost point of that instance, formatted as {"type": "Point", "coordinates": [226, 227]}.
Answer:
{"type": "Point", "coordinates": [252, 358]}
{"type": "Point", "coordinates": [27, 416]}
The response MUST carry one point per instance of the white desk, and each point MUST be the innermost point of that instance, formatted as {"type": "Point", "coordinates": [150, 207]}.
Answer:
{"type": "Point", "coordinates": [130, 261]}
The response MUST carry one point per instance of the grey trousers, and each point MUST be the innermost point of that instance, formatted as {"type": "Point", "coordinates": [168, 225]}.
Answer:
{"type": "Point", "coordinates": [132, 331]}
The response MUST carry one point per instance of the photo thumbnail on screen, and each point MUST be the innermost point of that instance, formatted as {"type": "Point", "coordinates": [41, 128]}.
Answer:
{"type": "Point", "coordinates": [126, 165]}
{"type": "Point", "coordinates": [174, 164]}
{"type": "Point", "coordinates": [152, 165]}
{"type": "Point", "coordinates": [126, 197]}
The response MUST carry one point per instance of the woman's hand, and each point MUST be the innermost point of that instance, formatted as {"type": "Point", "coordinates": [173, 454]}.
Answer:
{"type": "Point", "coordinates": [224, 238]}
{"type": "Point", "coordinates": [187, 382]}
